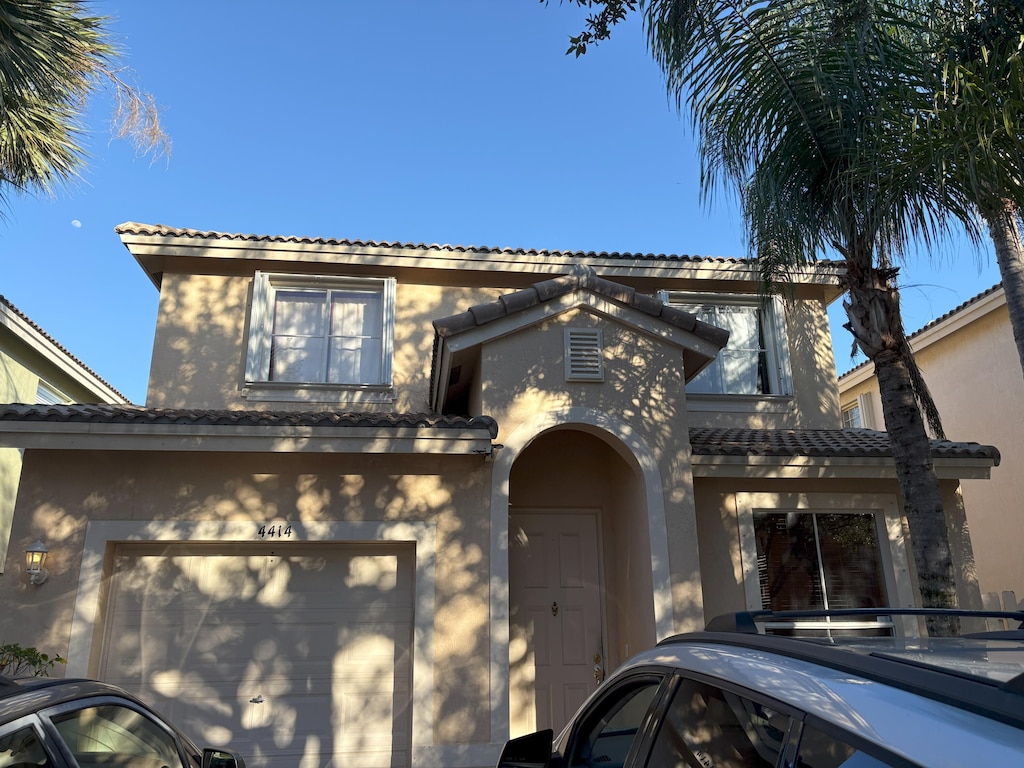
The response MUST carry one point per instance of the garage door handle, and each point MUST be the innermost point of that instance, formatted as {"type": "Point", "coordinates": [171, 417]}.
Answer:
{"type": "Point", "coordinates": [256, 700]}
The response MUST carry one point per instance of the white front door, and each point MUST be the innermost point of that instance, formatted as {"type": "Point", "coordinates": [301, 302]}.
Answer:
{"type": "Point", "coordinates": [555, 600]}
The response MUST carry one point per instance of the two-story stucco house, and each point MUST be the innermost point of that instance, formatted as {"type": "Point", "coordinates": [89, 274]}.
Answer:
{"type": "Point", "coordinates": [387, 503]}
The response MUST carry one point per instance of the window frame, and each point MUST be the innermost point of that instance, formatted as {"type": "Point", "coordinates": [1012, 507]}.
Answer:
{"type": "Point", "coordinates": [259, 386]}
{"type": "Point", "coordinates": [889, 530]}
{"type": "Point", "coordinates": [773, 319]}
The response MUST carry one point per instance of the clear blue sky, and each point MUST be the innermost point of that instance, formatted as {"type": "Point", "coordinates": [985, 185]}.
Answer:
{"type": "Point", "coordinates": [450, 121]}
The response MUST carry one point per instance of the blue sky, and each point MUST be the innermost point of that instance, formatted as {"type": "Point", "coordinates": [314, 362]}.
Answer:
{"type": "Point", "coordinates": [451, 121]}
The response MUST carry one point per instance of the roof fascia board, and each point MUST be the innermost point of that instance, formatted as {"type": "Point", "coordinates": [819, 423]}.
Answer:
{"type": "Point", "coordinates": [147, 248]}
{"type": "Point", "coordinates": [830, 467]}
{"type": "Point", "coordinates": [176, 437]}
{"type": "Point", "coordinates": [59, 359]}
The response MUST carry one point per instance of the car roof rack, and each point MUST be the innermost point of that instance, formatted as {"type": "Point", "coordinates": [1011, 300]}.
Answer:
{"type": "Point", "coordinates": [746, 622]}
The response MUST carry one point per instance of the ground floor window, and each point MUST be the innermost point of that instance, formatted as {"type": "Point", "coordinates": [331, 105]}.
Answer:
{"type": "Point", "coordinates": [812, 560]}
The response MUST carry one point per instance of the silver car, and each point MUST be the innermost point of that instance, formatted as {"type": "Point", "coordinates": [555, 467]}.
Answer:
{"type": "Point", "coordinates": [737, 695]}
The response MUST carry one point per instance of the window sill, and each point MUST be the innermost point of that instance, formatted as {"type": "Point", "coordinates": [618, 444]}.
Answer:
{"type": "Point", "coordinates": [740, 403]}
{"type": "Point", "coordinates": [325, 394]}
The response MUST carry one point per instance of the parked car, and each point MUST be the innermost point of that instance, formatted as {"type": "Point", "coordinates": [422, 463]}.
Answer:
{"type": "Point", "coordinates": [88, 724]}
{"type": "Point", "coordinates": [738, 695]}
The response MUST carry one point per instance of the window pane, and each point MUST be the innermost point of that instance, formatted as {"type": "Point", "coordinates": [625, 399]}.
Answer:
{"type": "Point", "coordinates": [820, 750]}
{"type": "Point", "coordinates": [113, 735]}
{"type": "Point", "coordinates": [706, 726]}
{"type": "Point", "coordinates": [851, 560]}
{"type": "Point", "coordinates": [296, 359]}
{"type": "Point", "coordinates": [742, 366]}
{"type": "Point", "coordinates": [787, 562]}
{"type": "Point", "coordinates": [354, 361]}
{"type": "Point", "coordinates": [357, 313]}
{"type": "Point", "coordinates": [851, 417]}
{"type": "Point", "coordinates": [608, 732]}
{"type": "Point", "coordinates": [22, 749]}
{"type": "Point", "coordinates": [299, 313]}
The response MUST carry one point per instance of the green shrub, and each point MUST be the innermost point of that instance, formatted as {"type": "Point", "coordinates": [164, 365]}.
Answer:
{"type": "Point", "coordinates": [19, 661]}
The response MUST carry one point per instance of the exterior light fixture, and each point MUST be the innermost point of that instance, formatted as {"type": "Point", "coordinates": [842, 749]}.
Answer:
{"type": "Point", "coordinates": [35, 556]}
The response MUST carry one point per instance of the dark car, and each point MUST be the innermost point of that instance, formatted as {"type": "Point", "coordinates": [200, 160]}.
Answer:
{"type": "Point", "coordinates": [89, 724]}
{"type": "Point", "coordinates": [738, 696]}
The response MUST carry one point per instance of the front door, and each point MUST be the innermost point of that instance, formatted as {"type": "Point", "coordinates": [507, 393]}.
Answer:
{"type": "Point", "coordinates": [556, 649]}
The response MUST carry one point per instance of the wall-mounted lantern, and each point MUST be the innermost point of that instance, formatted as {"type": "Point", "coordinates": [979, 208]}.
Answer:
{"type": "Point", "coordinates": [35, 557]}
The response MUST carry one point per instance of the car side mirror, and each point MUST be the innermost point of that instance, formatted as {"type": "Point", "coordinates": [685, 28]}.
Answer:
{"type": "Point", "coordinates": [531, 751]}
{"type": "Point", "coordinates": [222, 758]}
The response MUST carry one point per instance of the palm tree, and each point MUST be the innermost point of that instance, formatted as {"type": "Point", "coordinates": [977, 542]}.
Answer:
{"type": "Point", "coordinates": [973, 130]}
{"type": "Point", "coordinates": [792, 103]}
{"type": "Point", "coordinates": [53, 55]}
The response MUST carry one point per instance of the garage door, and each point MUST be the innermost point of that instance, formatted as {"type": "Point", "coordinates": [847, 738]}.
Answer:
{"type": "Point", "coordinates": [296, 656]}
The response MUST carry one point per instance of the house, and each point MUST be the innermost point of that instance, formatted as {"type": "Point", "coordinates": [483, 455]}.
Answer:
{"type": "Point", "coordinates": [388, 503]}
{"type": "Point", "coordinates": [34, 368]}
{"type": "Point", "coordinates": [970, 363]}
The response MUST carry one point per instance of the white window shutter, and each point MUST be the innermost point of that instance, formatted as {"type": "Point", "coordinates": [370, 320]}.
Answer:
{"type": "Point", "coordinates": [584, 356]}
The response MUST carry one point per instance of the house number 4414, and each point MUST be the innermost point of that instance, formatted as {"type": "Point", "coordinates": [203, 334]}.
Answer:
{"type": "Point", "coordinates": [274, 531]}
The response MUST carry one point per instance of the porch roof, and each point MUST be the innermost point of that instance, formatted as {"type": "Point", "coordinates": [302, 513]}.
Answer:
{"type": "Point", "coordinates": [721, 452]}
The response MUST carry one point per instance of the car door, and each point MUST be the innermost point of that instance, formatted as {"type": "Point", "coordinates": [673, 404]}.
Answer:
{"type": "Point", "coordinates": [23, 745]}
{"type": "Point", "coordinates": [108, 732]}
{"type": "Point", "coordinates": [710, 725]}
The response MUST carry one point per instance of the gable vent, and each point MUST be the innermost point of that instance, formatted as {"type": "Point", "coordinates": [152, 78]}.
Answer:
{"type": "Point", "coordinates": [584, 359]}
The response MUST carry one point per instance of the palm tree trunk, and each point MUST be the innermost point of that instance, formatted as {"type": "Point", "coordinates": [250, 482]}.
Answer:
{"type": "Point", "coordinates": [1005, 233]}
{"type": "Point", "coordinates": [875, 322]}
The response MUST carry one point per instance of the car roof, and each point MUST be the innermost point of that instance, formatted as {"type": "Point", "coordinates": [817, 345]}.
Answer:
{"type": "Point", "coordinates": [19, 696]}
{"type": "Point", "coordinates": [920, 729]}
{"type": "Point", "coordinates": [982, 673]}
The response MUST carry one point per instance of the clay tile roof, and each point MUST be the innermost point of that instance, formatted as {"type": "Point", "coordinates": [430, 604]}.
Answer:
{"type": "Point", "coordinates": [135, 228]}
{"type": "Point", "coordinates": [57, 345]}
{"type": "Point", "coordinates": [130, 414]}
{"type": "Point", "coordinates": [581, 277]}
{"type": "Point", "coordinates": [858, 443]}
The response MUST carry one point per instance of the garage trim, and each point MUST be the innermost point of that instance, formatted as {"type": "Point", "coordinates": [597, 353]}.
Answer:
{"type": "Point", "coordinates": [100, 535]}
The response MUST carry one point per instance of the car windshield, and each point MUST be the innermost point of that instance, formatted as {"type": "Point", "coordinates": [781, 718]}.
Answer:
{"type": "Point", "coordinates": [997, 661]}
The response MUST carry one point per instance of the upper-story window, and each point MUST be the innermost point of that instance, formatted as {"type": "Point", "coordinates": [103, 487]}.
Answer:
{"type": "Point", "coordinates": [321, 332]}
{"type": "Point", "coordinates": [851, 417]}
{"type": "Point", "coordinates": [756, 359]}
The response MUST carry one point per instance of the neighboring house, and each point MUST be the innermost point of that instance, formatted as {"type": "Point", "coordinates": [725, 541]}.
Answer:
{"type": "Point", "coordinates": [970, 363]}
{"type": "Point", "coordinates": [34, 368]}
{"type": "Point", "coordinates": [388, 503]}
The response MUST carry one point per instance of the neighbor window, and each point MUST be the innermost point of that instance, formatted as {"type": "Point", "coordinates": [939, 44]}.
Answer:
{"type": "Point", "coordinates": [818, 560]}
{"type": "Point", "coordinates": [756, 359]}
{"type": "Point", "coordinates": [321, 331]}
{"type": "Point", "coordinates": [851, 417]}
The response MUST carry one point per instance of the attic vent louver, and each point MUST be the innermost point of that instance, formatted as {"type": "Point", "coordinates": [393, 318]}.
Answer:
{"type": "Point", "coordinates": [584, 359]}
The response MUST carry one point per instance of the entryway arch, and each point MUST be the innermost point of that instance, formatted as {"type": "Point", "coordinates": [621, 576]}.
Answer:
{"type": "Point", "coordinates": [585, 493]}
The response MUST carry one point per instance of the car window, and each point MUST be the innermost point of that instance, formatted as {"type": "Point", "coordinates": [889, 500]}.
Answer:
{"type": "Point", "coordinates": [821, 750]}
{"type": "Point", "coordinates": [707, 727]}
{"type": "Point", "coordinates": [115, 736]}
{"type": "Point", "coordinates": [607, 731]}
{"type": "Point", "coordinates": [22, 749]}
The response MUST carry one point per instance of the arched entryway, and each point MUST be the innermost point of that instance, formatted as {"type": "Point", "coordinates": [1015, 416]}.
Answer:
{"type": "Point", "coordinates": [581, 584]}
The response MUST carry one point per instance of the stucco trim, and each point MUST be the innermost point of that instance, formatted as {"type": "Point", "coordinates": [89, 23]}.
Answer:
{"type": "Point", "coordinates": [82, 658]}
{"type": "Point", "coordinates": [884, 507]}
{"type": "Point", "coordinates": [632, 447]}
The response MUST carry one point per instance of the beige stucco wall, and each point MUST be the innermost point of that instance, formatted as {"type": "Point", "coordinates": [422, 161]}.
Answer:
{"type": "Point", "coordinates": [202, 329]}
{"type": "Point", "coordinates": [975, 378]}
{"type": "Point", "coordinates": [199, 349]}
{"type": "Point", "coordinates": [449, 492]}
{"type": "Point", "coordinates": [522, 376]}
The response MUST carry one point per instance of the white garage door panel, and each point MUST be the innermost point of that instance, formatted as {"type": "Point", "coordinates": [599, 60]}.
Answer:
{"type": "Point", "coordinates": [319, 636]}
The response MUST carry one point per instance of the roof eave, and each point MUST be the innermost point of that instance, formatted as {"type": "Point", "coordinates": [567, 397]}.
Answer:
{"type": "Point", "coordinates": [832, 467]}
{"type": "Point", "coordinates": [79, 436]}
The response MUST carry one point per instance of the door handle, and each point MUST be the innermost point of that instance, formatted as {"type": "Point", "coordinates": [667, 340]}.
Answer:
{"type": "Point", "coordinates": [598, 668]}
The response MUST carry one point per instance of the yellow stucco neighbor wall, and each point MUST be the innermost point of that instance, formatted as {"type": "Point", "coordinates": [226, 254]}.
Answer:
{"type": "Point", "coordinates": [970, 364]}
